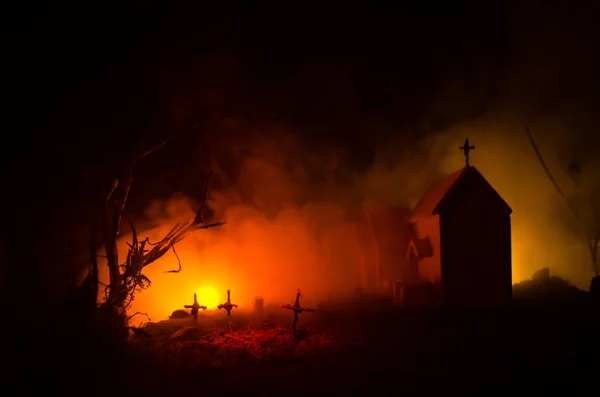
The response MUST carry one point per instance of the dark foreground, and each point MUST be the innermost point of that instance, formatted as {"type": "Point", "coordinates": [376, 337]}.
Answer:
{"type": "Point", "coordinates": [345, 352]}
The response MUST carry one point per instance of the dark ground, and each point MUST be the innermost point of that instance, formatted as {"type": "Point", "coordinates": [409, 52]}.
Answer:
{"type": "Point", "coordinates": [538, 347]}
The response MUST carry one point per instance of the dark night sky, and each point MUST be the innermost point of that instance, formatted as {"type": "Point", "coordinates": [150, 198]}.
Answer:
{"type": "Point", "coordinates": [90, 87]}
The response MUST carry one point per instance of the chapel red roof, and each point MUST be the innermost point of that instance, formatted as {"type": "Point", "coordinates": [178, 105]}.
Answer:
{"type": "Point", "coordinates": [430, 203]}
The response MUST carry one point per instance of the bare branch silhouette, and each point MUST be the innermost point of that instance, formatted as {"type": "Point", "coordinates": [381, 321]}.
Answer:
{"type": "Point", "coordinates": [592, 237]}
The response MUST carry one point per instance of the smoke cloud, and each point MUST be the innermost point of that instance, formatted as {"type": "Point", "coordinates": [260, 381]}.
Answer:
{"type": "Point", "coordinates": [288, 210]}
{"type": "Point", "coordinates": [290, 198]}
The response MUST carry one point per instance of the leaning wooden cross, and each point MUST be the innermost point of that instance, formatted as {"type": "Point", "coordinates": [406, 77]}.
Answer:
{"type": "Point", "coordinates": [296, 308]}
{"type": "Point", "coordinates": [195, 307]}
{"type": "Point", "coordinates": [228, 306]}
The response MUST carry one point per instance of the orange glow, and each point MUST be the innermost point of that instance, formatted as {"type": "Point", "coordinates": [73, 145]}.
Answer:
{"type": "Point", "coordinates": [208, 296]}
{"type": "Point", "coordinates": [251, 256]}
{"type": "Point", "coordinates": [291, 218]}
{"type": "Point", "coordinates": [544, 231]}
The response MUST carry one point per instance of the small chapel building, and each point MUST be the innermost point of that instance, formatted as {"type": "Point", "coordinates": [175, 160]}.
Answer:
{"type": "Point", "coordinates": [459, 254]}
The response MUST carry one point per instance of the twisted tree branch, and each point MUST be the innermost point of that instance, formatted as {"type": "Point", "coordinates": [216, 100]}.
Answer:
{"type": "Point", "coordinates": [592, 238]}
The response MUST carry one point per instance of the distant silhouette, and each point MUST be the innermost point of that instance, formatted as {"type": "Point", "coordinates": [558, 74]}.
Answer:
{"type": "Point", "coordinates": [383, 234]}
{"type": "Point", "coordinates": [259, 305]}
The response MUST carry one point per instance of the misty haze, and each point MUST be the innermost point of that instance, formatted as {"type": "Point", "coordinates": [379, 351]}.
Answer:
{"type": "Point", "coordinates": [217, 204]}
{"type": "Point", "coordinates": [290, 212]}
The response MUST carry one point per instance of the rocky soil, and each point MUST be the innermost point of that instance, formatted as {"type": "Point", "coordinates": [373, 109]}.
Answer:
{"type": "Point", "coordinates": [188, 344]}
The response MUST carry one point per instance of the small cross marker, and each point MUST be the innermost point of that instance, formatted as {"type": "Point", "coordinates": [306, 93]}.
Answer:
{"type": "Point", "coordinates": [466, 149]}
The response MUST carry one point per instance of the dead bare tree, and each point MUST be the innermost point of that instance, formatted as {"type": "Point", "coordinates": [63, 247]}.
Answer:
{"type": "Point", "coordinates": [591, 227]}
{"type": "Point", "coordinates": [126, 277]}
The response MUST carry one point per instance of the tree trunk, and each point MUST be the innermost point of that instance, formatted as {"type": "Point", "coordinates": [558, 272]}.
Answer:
{"type": "Point", "coordinates": [595, 289]}
{"type": "Point", "coordinates": [112, 322]}
{"type": "Point", "coordinates": [594, 253]}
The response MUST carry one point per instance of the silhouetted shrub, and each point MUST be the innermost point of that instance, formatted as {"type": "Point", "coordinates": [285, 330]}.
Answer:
{"type": "Point", "coordinates": [544, 288]}
{"type": "Point", "coordinates": [542, 274]}
{"type": "Point", "coordinates": [180, 314]}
